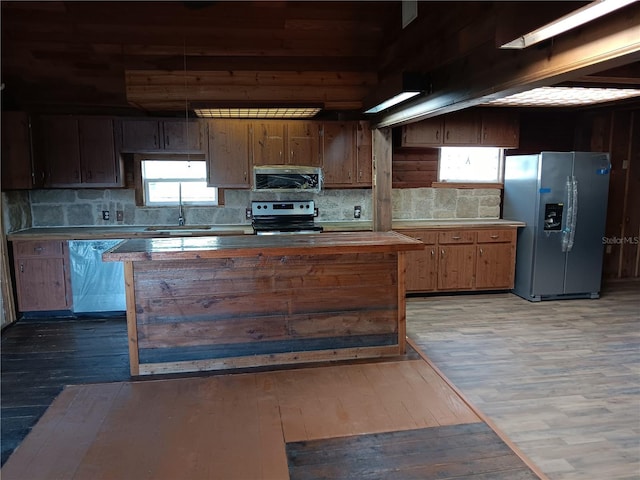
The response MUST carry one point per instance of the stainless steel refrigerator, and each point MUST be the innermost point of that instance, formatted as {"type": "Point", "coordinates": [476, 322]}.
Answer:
{"type": "Point", "coordinates": [562, 197]}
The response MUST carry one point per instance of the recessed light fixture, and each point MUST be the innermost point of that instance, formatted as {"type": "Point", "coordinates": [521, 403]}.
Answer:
{"type": "Point", "coordinates": [271, 112]}
{"type": "Point", "coordinates": [564, 97]}
{"type": "Point", "coordinates": [572, 20]}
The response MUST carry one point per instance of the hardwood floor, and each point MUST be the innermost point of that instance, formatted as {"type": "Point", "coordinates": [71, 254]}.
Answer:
{"type": "Point", "coordinates": [560, 378]}
{"type": "Point", "coordinates": [40, 356]}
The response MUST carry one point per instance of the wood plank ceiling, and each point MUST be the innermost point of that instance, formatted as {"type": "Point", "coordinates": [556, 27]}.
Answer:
{"type": "Point", "coordinates": [163, 57]}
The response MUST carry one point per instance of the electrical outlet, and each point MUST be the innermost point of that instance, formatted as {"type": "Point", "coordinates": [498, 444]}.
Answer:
{"type": "Point", "coordinates": [357, 211]}
{"type": "Point", "coordinates": [105, 214]}
{"type": "Point", "coordinates": [247, 214]}
{"type": "Point", "coordinates": [119, 215]}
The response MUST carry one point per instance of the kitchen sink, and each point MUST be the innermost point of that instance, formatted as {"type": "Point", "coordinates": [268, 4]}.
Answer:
{"type": "Point", "coordinates": [178, 229]}
{"type": "Point", "coordinates": [169, 228]}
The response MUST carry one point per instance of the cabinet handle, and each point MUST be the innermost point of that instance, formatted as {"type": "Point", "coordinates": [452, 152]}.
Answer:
{"type": "Point", "coordinates": [38, 249]}
{"type": "Point", "coordinates": [21, 268]}
{"type": "Point", "coordinates": [456, 238]}
{"type": "Point", "coordinates": [166, 140]}
{"type": "Point", "coordinates": [481, 252]}
{"type": "Point", "coordinates": [447, 134]}
{"type": "Point", "coordinates": [441, 253]}
{"type": "Point", "coordinates": [432, 252]}
{"type": "Point", "coordinates": [437, 134]}
{"type": "Point", "coordinates": [494, 236]}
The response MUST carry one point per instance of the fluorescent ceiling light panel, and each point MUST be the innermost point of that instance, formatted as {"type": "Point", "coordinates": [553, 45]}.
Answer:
{"type": "Point", "coordinates": [571, 20]}
{"type": "Point", "coordinates": [564, 97]}
{"type": "Point", "coordinates": [283, 112]}
{"type": "Point", "coordinates": [401, 97]}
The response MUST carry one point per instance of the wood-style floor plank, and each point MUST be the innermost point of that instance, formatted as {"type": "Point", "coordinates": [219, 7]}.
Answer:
{"type": "Point", "coordinates": [225, 426]}
{"type": "Point", "coordinates": [560, 378]}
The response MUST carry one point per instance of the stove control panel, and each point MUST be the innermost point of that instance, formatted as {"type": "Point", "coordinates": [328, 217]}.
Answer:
{"type": "Point", "coordinates": [261, 208]}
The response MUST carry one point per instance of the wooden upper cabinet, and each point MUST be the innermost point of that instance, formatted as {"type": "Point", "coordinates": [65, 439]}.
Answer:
{"type": "Point", "coordinates": [60, 149]}
{"type": "Point", "coordinates": [491, 127]}
{"type": "Point", "coordinates": [99, 160]}
{"type": "Point", "coordinates": [152, 135]}
{"type": "Point", "coordinates": [346, 154]}
{"type": "Point", "coordinates": [19, 172]}
{"type": "Point", "coordinates": [268, 138]}
{"type": "Point", "coordinates": [79, 152]}
{"type": "Point", "coordinates": [500, 128]}
{"type": "Point", "coordinates": [276, 142]}
{"type": "Point", "coordinates": [183, 136]}
{"type": "Point", "coordinates": [423, 133]}
{"type": "Point", "coordinates": [364, 154]}
{"type": "Point", "coordinates": [228, 159]}
{"type": "Point", "coordinates": [140, 135]}
{"type": "Point", "coordinates": [462, 128]}
{"type": "Point", "coordinates": [339, 153]}
{"type": "Point", "coordinates": [303, 140]}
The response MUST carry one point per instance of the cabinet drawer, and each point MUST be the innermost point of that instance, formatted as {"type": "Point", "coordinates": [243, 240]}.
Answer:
{"type": "Point", "coordinates": [37, 248]}
{"type": "Point", "coordinates": [426, 237]}
{"type": "Point", "coordinates": [496, 236]}
{"type": "Point", "coordinates": [456, 236]}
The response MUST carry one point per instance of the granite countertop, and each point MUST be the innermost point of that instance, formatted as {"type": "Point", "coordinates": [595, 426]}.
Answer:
{"type": "Point", "coordinates": [127, 232]}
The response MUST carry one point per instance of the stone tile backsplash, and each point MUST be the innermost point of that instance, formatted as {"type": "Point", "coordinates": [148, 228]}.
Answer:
{"type": "Point", "coordinates": [83, 207]}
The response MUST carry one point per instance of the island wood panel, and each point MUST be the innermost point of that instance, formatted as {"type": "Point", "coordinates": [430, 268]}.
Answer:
{"type": "Point", "coordinates": [212, 309]}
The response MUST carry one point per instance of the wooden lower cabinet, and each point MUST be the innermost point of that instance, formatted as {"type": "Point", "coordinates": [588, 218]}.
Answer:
{"type": "Point", "coordinates": [42, 273]}
{"type": "Point", "coordinates": [422, 265]}
{"type": "Point", "coordinates": [455, 267]}
{"type": "Point", "coordinates": [459, 260]}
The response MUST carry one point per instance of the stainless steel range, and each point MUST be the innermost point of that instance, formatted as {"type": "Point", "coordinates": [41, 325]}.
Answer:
{"type": "Point", "coordinates": [284, 217]}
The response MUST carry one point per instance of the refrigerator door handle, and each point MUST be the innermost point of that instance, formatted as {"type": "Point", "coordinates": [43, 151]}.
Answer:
{"type": "Point", "coordinates": [574, 212]}
{"type": "Point", "coordinates": [569, 232]}
{"type": "Point", "coordinates": [566, 231]}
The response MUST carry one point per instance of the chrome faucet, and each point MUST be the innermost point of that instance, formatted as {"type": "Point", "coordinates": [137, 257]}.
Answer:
{"type": "Point", "coordinates": [180, 212]}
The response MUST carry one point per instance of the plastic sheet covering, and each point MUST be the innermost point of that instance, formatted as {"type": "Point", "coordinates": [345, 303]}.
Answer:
{"type": "Point", "coordinates": [97, 286]}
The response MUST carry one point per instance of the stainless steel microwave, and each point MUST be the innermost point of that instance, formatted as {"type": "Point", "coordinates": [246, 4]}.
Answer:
{"type": "Point", "coordinates": [287, 178]}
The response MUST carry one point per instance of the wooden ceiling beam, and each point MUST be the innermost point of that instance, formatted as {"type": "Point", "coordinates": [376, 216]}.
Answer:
{"type": "Point", "coordinates": [489, 73]}
{"type": "Point", "coordinates": [157, 90]}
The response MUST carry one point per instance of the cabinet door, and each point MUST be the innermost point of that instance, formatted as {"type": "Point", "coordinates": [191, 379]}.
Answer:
{"type": "Point", "coordinates": [60, 150]}
{"type": "Point", "coordinates": [422, 265]}
{"type": "Point", "coordinates": [18, 172]}
{"type": "Point", "coordinates": [462, 128]}
{"type": "Point", "coordinates": [303, 139]}
{"type": "Point", "coordinates": [228, 154]}
{"type": "Point", "coordinates": [268, 143]}
{"type": "Point", "coordinates": [99, 160]}
{"type": "Point", "coordinates": [42, 281]}
{"type": "Point", "coordinates": [182, 136]}
{"type": "Point", "coordinates": [500, 129]}
{"type": "Point", "coordinates": [495, 266]}
{"type": "Point", "coordinates": [140, 135]}
{"type": "Point", "coordinates": [423, 133]}
{"type": "Point", "coordinates": [364, 154]}
{"type": "Point", "coordinates": [338, 152]}
{"type": "Point", "coordinates": [456, 267]}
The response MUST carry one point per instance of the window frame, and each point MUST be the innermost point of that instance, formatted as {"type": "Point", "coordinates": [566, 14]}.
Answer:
{"type": "Point", "coordinates": [139, 181]}
{"type": "Point", "coordinates": [498, 183]}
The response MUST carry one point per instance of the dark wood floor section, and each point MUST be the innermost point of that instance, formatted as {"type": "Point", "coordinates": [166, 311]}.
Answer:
{"type": "Point", "coordinates": [40, 356]}
{"type": "Point", "coordinates": [470, 451]}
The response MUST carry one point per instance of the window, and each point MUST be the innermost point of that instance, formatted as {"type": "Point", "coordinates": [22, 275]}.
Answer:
{"type": "Point", "coordinates": [470, 164]}
{"type": "Point", "coordinates": [170, 182]}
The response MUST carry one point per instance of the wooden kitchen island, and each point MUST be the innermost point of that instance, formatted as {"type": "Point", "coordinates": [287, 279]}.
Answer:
{"type": "Point", "coordinates": [210, 303]}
